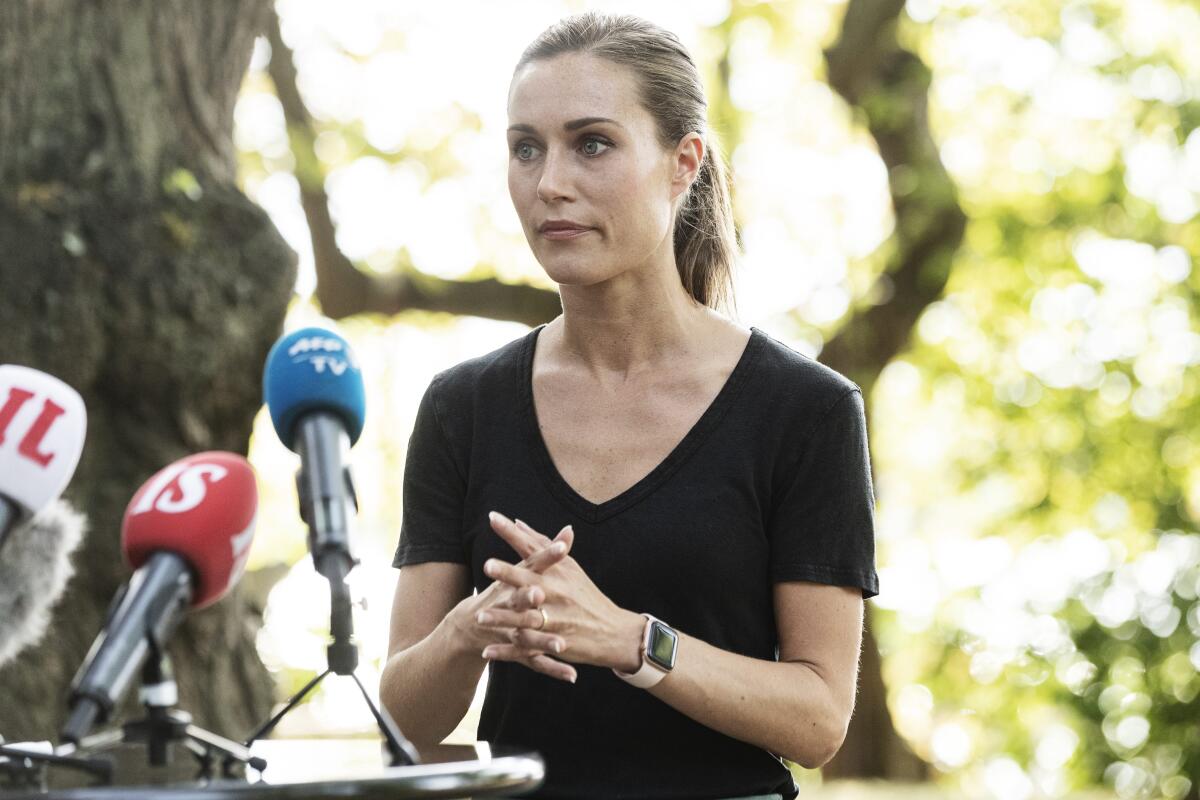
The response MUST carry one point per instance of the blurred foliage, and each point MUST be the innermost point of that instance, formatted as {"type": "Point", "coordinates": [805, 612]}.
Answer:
{"type": "Point", "coordinates": [1037, 458]}
{"type": "Point", "coordinates": [1066, 344]}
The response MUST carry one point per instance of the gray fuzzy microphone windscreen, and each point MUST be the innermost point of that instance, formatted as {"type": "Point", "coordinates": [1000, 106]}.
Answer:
{"type": "Point", "coordinates": [35, 566]}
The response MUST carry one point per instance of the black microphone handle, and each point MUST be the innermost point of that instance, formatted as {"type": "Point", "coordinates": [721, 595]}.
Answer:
{"type": "Point", "coordinates": [324, 490]}
{"type": "Point", "coordinates": [10, 517]}
{"type": "Point", "coordinates": [142, 618]}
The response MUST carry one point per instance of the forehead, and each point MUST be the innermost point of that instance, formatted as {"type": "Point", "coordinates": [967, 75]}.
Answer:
{"type": "Point", "coordinates": [572, 86]}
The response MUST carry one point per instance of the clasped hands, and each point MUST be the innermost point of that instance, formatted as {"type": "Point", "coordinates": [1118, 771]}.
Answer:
{"type": "Point", "coordinates": [545, 612]}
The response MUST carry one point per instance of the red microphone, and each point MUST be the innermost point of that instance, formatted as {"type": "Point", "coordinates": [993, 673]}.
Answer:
{"type": "Point", "coordinates": [187, 533]}
{"type": "Point", "coordinates": [202, 508]}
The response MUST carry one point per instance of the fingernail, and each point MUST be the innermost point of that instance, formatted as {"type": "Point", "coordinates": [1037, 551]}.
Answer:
{"type": "Point", "coordinates": [493, 516]}
{"type": "Point", "coordinates": [488, 652]}
{"type": "Point", "coordinates": [489, 568]}
{"type": "Point", "coordinates": [573, 677]}
{"type": "Point", "coordinates": [558, 548]}
{"type": "Point", "coordinates": [558, 646]}
{"type": "Point", "coordinates": [521, 524]}
{"type": "Point", "coordinates": [483, 617]}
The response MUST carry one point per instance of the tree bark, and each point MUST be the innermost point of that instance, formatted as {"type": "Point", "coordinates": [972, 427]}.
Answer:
{"type": "Point", "coordinates": [888, 87]}
{"type": "Point", "coordinates": [134, 269]}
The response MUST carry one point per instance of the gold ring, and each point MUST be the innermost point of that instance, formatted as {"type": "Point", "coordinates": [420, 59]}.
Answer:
{"type": "Point", "coordinates": [545, 619]}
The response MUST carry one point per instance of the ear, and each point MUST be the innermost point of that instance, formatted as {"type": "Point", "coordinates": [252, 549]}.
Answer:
{"type": "Point", "coordinates": [689, 155]}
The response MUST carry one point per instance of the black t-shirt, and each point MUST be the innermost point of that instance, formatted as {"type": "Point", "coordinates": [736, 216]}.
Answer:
{"type": "Point", "coordinates": [773, 483]}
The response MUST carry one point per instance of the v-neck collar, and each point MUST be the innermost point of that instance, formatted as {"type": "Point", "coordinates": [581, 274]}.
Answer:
{"type": "Point", "coordinates": [598, 512]}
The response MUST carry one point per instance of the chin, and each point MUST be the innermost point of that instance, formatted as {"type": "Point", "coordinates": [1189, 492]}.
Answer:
{"type": "Point", "coordinates": [567, 276]}
{"type": "Point", "coordinates": [574, 271]}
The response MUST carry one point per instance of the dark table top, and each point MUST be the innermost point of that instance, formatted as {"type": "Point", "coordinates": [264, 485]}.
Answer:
{"type": "Point", "coordinates": [318, 769]}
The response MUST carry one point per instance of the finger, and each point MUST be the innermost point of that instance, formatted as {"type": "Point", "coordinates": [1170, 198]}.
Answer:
{"type": "Point", "coordinates": [527, 598]}
{"type": "Point", "coordinates": [503, 596]}
{"type": "Point", "coordinates": [517, 539]}
{"type": "Point", "coordinates": [517, 599]}
{"type": "Point", "coordinates": [545, 558]}
{"type": "Point", "coordinates": [507, 651]}
{"type": "Point", "coordinates": [538, 537]}
{"type": "Point", "coordinates": [552, 667]}
{"type": "Point", "coordinates": [539, 662]}
{"type": "Point", "coordinates": [566, 536]}
{"type": "Point", "coordinates": [517, 577]}
{"type": "Point", "coordinates": [503, 618]}
{"type": "Point", "coordinates": [536, 640]}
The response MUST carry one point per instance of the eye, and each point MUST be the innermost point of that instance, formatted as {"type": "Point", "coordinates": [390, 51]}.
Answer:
{"type": "Point", "coordinates": [593, 140]}
{"type": "Point", "coordinates": [523, 151]}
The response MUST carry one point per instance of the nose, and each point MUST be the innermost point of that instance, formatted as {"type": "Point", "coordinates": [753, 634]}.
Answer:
{"type": "Point", "coordinates": [554, 181]}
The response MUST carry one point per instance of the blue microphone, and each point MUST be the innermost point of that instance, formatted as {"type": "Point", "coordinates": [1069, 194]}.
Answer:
{"type": "Point", "coordinates": [313, 388]}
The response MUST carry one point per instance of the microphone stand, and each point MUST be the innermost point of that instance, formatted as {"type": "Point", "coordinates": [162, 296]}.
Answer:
{"type": "Point", "coordinates": [324, 506]}
{"type": "Point", "coordinates": [26, 769]}
{"type": "Point", "coordinates": [164, 724]}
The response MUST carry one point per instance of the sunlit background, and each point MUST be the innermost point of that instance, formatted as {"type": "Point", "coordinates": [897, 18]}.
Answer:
{"type": "Point", "coordinates": [1037, 461]}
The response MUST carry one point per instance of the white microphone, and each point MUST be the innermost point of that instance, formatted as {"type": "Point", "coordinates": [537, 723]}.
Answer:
{"type": "Point", "coordinates": [42, 427]}
{"type": "Point", "coordinates": [34, 570]}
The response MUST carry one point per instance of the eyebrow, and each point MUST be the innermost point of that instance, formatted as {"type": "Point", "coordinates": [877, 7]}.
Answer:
{"type": "Point", "coordinates": [572, 125]}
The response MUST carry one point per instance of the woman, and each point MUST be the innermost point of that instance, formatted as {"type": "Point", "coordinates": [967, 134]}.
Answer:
{"type": "Point", "coordinates": [696, 471]}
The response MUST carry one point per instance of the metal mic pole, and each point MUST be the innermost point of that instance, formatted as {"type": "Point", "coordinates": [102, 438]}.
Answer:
{"type": "Point", "coordinates": [326, 495]}
{"type": "Point", "coordinates": [326, 502]}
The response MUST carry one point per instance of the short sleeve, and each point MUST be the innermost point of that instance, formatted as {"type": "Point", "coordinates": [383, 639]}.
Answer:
{"type": "Point", "coordinates": [822, 524]}
{"type": "Point", "coordinates": [433, 492]}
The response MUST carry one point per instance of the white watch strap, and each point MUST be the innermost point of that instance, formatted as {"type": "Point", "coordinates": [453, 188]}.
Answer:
{"type": "Point", "coordinates": [648, 673]}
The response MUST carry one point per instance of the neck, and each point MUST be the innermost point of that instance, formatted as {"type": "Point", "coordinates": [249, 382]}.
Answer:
{"type": "Point", "coordinates": [631, 324]}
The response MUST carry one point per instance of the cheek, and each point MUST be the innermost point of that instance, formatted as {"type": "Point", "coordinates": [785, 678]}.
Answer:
{"type": "Point", "coordinates": [518, 193]}
{"type": "Point", "coordinates": [644, 213]}
{"type": "Point", "coordinates": [514, 188]}
{"type": "Point", "coordinates": [624, 193]}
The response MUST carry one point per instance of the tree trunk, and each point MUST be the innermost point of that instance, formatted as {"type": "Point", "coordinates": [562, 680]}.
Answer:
{"type": "Point", "coordinates": [887, 86]}
{"type": "Point", "coordinates": [134, 269]}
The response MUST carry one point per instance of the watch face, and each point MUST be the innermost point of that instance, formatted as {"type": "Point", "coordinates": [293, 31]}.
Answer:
{"type": "Point", "coordinates": [663, 642]}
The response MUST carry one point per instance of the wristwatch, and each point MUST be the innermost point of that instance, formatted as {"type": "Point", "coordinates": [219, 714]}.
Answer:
{"type": "Point", "coordinates": [659, 643]}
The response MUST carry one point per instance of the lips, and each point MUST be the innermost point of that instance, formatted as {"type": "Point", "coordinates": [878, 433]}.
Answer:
{"type": "Point", "coordinates": [560, 230]}
{"type": "Point", "coordinates": [562, 227]}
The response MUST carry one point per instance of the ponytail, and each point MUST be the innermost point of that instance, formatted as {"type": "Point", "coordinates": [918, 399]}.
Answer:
{"type": "Point", "coordinates": [706, 244]}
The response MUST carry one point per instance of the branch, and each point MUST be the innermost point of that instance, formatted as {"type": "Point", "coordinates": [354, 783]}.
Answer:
{"type": "Point", "coordinates": [342, 288]}
{"type": "Point", "coordinates": [889, 86]}
{"type": "Point", "coordinates": [867, 36]}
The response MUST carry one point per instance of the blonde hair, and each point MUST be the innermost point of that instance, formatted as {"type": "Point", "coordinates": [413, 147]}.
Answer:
{"type": "Point", "coordinates": [705, 238]}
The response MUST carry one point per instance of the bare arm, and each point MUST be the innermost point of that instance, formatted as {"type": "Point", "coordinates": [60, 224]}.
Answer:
{"type": "Point", "coordinates": [430, 676]}
{"type": "Point", "coordinates": [798, 707]}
